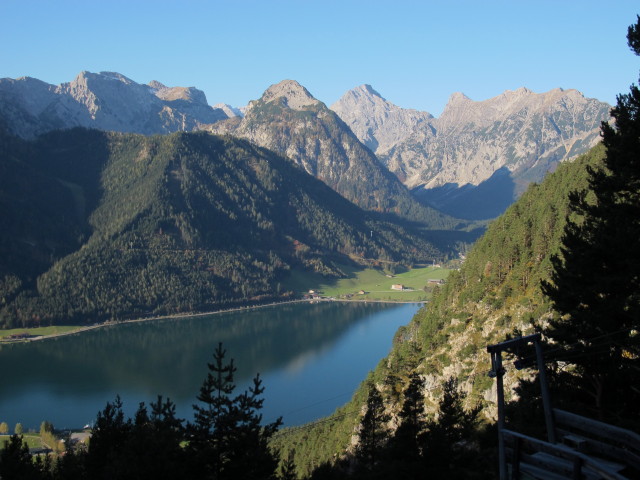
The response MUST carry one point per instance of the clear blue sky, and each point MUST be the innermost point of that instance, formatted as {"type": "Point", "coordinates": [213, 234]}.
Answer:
{"type": "Point", "coordinates": [415, 53]}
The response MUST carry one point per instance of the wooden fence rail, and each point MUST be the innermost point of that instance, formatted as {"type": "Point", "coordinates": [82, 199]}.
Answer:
{"type": "Point", "coordinates": [599, 438]}
{"type": "Point", "coordinates": [581, 464]}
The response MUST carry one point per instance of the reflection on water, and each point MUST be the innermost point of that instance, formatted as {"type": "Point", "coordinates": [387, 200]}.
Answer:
{"type": "Point", "coordinates": [305, 353]}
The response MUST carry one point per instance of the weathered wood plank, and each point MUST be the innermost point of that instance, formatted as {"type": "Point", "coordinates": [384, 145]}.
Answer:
{"type": "Point", "coordinates": [502, 346]}
{"type": "Point", "coordinates": [566, 453]}
{"type": "Point", "coordinates": [592, 446]}
{"type": "Point", "coordinates": [560, 466]}
{"type": "Point", "coordinates": [599, 429]}
{"type": "Point", "coordinates": [531, 471]}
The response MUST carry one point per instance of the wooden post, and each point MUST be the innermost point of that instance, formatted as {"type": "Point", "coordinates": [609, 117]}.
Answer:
{"type": "Point", "coordinates": [497, 368]}
{"type": "Point", "coordinates": [517, 450]}
{"type": "Point", "coordinates": [546, 398]}
{"type": "Point", "coordinates": [577, 468]}
{"type": "Point", "coordinates": [497, 371]}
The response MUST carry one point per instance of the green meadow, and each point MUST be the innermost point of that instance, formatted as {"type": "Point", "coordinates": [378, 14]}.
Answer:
{"type": "Point", "coordinates": [38, 331]}
{"type": "Point", "coordinates": [375, 284]}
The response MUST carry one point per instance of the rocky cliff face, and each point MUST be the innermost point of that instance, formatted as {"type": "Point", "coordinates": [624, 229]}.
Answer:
{"type": "Point", "coordinates": [106, 101]}
{"type": "Point", "coordinates": [518, 135]}
{"type": "Point", "coordinates": [289, 120]}
{"type": "Point", "coordinates": [378, 123]}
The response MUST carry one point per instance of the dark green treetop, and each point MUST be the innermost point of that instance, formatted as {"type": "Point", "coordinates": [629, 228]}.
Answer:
{"type": "Point", "coordinates": [595, 285]}
{"type": "Point", "coordinates": [374, 431]}
{"type": "Point", "coordinates": [228, 439]}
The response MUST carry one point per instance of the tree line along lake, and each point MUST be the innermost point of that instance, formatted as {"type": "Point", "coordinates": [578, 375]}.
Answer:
{"type": "Point", "coordinates": [311, 357]}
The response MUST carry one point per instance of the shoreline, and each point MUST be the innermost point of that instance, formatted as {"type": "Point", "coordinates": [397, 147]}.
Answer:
{"type": "Point", "coordinates": [109, 323]}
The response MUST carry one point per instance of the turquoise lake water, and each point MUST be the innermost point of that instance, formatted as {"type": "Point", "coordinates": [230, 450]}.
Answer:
{"type": "Point", "coordinates": [311, 358]}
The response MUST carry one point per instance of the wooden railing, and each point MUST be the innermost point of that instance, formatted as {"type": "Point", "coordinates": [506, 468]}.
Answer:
{"type": "Point", "coordinates": [577, 447]}
{"type": "Point", "coordinates": [598, 438]}
{"type": "Point", "coordinates": [542, 459]}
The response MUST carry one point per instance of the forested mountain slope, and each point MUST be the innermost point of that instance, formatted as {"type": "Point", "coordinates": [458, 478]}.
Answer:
{"type": "Point", "coordinates": [496, 291]}
{"type": "Point", "coordinates": [104, 225]}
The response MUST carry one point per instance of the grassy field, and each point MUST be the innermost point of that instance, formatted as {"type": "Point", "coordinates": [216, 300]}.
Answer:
{"type": "Point", "coordinates": [38, 331]}
{"type": "Point", "coordinates": [375, 284]}
{"type": "Point", "coordinates": [32, 440]}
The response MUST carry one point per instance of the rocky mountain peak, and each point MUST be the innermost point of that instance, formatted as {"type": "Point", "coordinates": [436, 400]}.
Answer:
{"type": "Point", "coordinates": [106, 101]}
{"type": "Point", "coordinates": [520, 91]}
{"type": "Point", "coordinates": [289, 121]}
{"type": "Point", "coordinates": [229, 110]}
{"type": "Point", "coordinates": [86, 77]}
{"type": "Point", "coordinates": [458, 97]}
{"type": "Point", "coordinates": [368, 88]}
{"type": "Point", "coordinates": [170, 94]}
{"type": "Point", "coordinates": [513, 138]}
{"type": "Point", "coordinates": [156, 85]}
{"type": "Point", "coordinates": [188, 94]}
{"type": "Point", "coordinates": [366, 91]}
{"type": "Point", "coordinates": [377, 123]}
{"type": "Point", "coordinates": [294, 95]}
{"type": "Point", "coordinates": [361, 97]}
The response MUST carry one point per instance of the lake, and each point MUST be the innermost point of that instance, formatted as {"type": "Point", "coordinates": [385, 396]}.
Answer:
{"type": "Point", "coordinates": [311, 358]}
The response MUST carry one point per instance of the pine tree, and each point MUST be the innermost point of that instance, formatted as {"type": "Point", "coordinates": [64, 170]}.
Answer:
{"type": "Point", "coordinates": [288, 468]}
{"type": "Point", "coordinates": [448, 438]}
{"type": "Point", "coordinates": [595, 285]}
{"type": "Point", "coordinates": [406, 445]}
{"type": "Point", "coordinates": [152, 448]}
{"type": "Point", "coordinates": [108, 443]}
{"type": "Point", "coordinates": [374, 432]}
{"type": "Point", "coordinates": [228, 439]}
{"type": "Point", "coordinates": [16, 462]}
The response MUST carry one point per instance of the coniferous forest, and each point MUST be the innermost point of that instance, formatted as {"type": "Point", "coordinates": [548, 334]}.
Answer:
{"type": "Point", "coordinates": [563, 261]}
{"type": "Point", "coordinates": [119, 226]}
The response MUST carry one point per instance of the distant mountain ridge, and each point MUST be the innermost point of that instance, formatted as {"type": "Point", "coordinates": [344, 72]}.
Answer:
{"type": "Point", "coordinates": [506, 141]}
{"type": "Point", "coordinates": [288, 120]}
{"type": "Point", "coordinates": [106, 101]}
{"type": "Point", "coordinates": [470, 163]}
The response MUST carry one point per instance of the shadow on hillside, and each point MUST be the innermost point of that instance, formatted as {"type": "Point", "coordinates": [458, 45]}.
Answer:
{"type": "Point", "coordinates": [487, 200]}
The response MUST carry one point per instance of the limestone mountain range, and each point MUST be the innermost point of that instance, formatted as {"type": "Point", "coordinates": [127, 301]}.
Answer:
{"type": "Point", "coordinates": [105, 101]}
{"type": "Point", "coordinates": [471, 162]}
{"type": "Point", "coordinates": [287, 119]}
{"type": "Point", "coordinates": [505, 142]}
{"type": "Point", "coordinates": [378, 123]}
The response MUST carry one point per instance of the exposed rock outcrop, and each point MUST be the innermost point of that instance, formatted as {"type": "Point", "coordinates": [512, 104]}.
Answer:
{"type": "Point", "coordinates": [521, 133]}
{"type": "Point", "coordinates": [106, 101]}
{"type": "Point", "coordinates": [289, 120]}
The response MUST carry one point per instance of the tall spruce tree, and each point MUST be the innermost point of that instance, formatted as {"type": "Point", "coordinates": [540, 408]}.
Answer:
{"type": "Point", "coordinates": [287, 469]}
{"type": "Point", "coordinates": [595, 285]}
{"type": "Point", "coordinates": [16, 463]}
{"type": "Point", "coordinates": [228, 440]}
{"type": "Point", "coordinates": [374, 431]}
{"type": "Point", "coordinates": [407, 444]}
{"type": "Point", "coordinates": [448, 450]}
{"type": "Point", "coordinates": [108, 443]}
